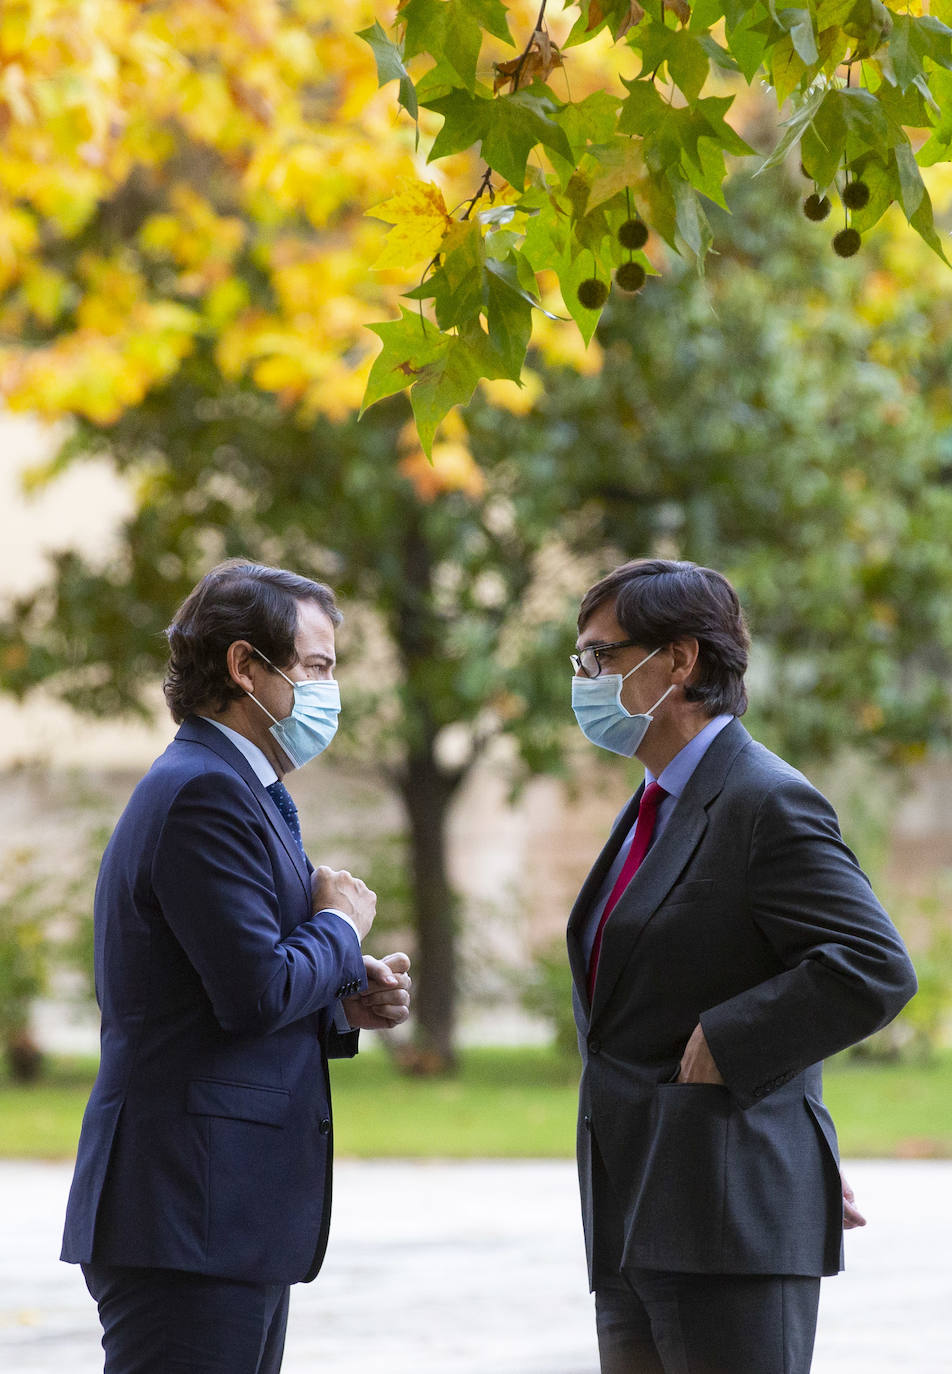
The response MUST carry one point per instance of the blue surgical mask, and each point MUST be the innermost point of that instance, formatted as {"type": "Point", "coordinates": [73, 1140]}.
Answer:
{"type": "Point", "coordinates": [602, 718]}
{"type": "Point", "coordinates": [312, 724]}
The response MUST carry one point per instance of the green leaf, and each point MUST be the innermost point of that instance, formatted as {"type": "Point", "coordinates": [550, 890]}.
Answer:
{"type": "Point", "coordinates": [746, 38]}
{"type": "Point", "coordinates": [912, 187]}
{"type": "Point", "coordinates": [799, 25]}
{"type": "Point", "coordinates": [516, 124]}
{"type": "Point", "coordinates": [450, 31]}
{"type": "Point", "coordinates": [508, 127]}
{"type": "Point", "coordinates": [681, 51]}
{"type": "Point", "coordinates": [913, 40]}
{"type": "Point", "coordinates": [389, 59]}
{"type": "Point", "coordinates": [409, 347]}
{"type": "Point", "coordinates": [613, 14]}
{"type": "Point", "coordinates": [572, 270]}
{"type": "Point", "coordinates": [787, 69]}
{"type": "Point", "coordinates": [643, 109]}
{"type": "Point", "coordinates": [465, 118]}
{"type": "Point", "coordinates": [508, 316]}
{"type": "Point", "coordinates": [619, 167]}
{"type": "Point", "coordinates": [492, 15]}
{"type": "Point", "coordinates": [463, 266]}
{"type": "Point", "coordinates": [448, 381]}
{"type": "Point", "coordinates": [592, 120]}
{"type": "Point", "coordinates": [693, 224]}
{"type": "Point", "coordinates": [938, 148]}
{"type": "Point", "coordinates": [794, 129]}
{"type": "Point", "coordinates": [924, 225]}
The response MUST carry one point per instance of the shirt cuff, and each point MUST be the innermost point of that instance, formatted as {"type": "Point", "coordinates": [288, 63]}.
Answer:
{"type": "Point", "coordinates": [341, 1024]}
{"type": "Point", "coordinates": [343, 917]}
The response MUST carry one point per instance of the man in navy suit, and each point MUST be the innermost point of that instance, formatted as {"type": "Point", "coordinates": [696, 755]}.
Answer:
{"type": "Point", "coordinates": [227, 971]}
{"type": "Point", "coordinates": [724, 944]}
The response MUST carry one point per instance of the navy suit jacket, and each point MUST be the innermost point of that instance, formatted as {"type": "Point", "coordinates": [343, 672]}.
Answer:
{"type": "Point", "coordinates": [751, 917]}
{"type": "Point", "coordinates": [206, 1143]}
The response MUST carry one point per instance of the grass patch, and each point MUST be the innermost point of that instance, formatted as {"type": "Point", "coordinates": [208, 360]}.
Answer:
{"type": "Point", "coordinates": [41, 1120]}
{"type": "Point", "coordinates": [884, 1111]}
{"type": "Point", "coordinates": [505, 1103]}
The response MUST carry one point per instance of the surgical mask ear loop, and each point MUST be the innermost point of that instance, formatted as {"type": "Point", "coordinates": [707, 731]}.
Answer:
{"type": "Point", "coordinates": [643, 661]}
{"type": "Point", "coordinates": [288, 680]}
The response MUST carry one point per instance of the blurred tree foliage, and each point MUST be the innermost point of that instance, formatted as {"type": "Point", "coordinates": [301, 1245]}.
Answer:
{"type": "Point", "coordinates": [790, 423]}
{"type": "Point", "coordinates": [185, 173]}
{"type": "Point", "coordinates": [593, 177]}
{"type": "Point", "coordinates": [795, 439]}
{"type": "Point", "coordinates": [25, 959]}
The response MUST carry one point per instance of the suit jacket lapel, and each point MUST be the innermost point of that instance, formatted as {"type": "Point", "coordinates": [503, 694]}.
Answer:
{"type": "Point", "coordinates": [665, 861]}
{"type": "Point", "coordinates": [200, 731]}
{"type": "Point", "coordinates": [591, 888]}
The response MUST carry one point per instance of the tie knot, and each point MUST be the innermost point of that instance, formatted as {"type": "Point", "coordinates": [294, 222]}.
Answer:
{"type": "Point", "coordinates": [283, 800]}
{"type": "Point", "coordinates": [652, 797]}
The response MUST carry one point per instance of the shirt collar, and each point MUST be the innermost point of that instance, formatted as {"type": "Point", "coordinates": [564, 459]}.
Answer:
{"type": "Point", "coordinates": [676, 775]}
{"type": "Point", "coordinates": [264, 770]}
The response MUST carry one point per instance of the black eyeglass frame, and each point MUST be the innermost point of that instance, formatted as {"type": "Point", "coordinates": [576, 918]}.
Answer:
{"type": "Point", "coordinates": [595, 650]}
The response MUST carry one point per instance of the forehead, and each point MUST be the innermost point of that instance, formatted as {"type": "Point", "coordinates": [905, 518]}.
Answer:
{"type": "Point", "coordinates": [315, 631]}
{"type": "Point", "coordinates": [601, 627]}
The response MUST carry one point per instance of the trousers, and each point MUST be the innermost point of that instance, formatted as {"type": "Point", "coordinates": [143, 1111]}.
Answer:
{"type": "Point", "coordinates": [656, 1322]}
{"type": "Point", "coordinates": [163, 1321]}
{"type": "Point", "coordinates": [652, 1321]}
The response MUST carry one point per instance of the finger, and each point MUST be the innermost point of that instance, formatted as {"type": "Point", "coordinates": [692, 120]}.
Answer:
{"type": "Point", "coordinates": [378, 971]}
{"type": "Point", "coordinates": [399, 962]}
{"type": "Point", "coordinates": [393, 1016]}
{"type": "Point", "coordinates": [852, 1217]}
{"type": "Point", "coordinates": [389, 997]}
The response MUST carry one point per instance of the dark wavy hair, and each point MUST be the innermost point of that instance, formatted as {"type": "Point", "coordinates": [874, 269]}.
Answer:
{"type": "Point", "coordinates": [657, 601]}
{"type": "Point", "coordinates": [238, 599]}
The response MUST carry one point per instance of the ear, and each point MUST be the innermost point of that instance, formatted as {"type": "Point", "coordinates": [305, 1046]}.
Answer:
{"type": "Point", "coordinates": [241, 659]}
{"type": "Point", "coordinates": [684, 654]}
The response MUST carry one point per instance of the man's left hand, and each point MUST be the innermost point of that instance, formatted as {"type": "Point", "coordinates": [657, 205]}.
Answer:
{"type": "Point", "coordinates": [697, 1062]}
{"type": "Point", "coordinates": [386, 1003]}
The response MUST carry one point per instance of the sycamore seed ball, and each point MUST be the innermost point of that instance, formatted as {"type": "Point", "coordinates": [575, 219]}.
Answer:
{"type": "Point", "coordinates": [855, 195]}
{"type": "Point", "coordinates": [816, 207]}
{"type": "Point", "coordinates": [633, 234]}
{"type": "Point", "coordinates": [847, 242]}
{"type": "Point", "coordinates": [631, 276]}
{"type": "Point", "coordinates": [592, 293]}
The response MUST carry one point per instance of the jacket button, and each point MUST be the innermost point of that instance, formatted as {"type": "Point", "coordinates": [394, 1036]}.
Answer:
{"type": "Point", "coordinates": [587, 1122]}
{"type": "Point", "coordinates": [325, 1126]}
{"type": "Point", "coordinates": [594, 1047]}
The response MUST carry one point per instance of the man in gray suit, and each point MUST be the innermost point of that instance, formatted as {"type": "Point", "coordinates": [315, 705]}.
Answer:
{"type": "Point", "coordinates": [724, 944]}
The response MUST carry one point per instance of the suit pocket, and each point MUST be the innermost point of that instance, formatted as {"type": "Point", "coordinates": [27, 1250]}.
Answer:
{"type": "Point", "coordinates": [238, 1101]}
{"type": "Point", "coordinates": [683, 1184]}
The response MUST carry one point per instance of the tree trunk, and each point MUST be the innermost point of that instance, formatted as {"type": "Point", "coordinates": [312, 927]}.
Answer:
{"type": "Point", "coordinates": [426, 795]}
{"type": "Point", "coordinates": [426, 790]}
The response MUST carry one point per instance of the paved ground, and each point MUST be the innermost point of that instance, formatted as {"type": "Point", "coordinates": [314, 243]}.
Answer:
{"type": "Point", "coordinates": [460, 1268]}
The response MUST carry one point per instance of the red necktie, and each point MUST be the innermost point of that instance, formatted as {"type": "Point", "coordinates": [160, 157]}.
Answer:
{"type": "Point", "coordinates": [651, 799]}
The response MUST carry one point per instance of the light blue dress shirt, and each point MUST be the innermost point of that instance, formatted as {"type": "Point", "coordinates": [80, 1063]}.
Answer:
{"type": "Point", "coordinates": [674, 778]}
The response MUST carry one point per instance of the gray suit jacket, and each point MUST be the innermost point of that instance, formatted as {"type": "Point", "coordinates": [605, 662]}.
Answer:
{"type": "Point", "coordinates": [751, 916]}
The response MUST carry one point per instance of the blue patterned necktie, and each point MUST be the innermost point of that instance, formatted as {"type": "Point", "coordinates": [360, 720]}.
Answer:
{"type": "Point", "coordinates": [283, 800]}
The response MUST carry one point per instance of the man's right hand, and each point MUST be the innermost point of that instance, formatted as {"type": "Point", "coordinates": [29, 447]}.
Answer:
{"type": "Point", "coordinates": [340, 889]}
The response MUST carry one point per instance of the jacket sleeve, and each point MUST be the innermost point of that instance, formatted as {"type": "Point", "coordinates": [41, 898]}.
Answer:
{"type": "Point", "coordinates": [845, 971]}
{"type": "Point", "coordinates": [213, 877]}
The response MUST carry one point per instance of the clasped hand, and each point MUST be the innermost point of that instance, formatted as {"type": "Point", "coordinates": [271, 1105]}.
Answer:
{"type": "Point", "coordinates": [386, 1002]}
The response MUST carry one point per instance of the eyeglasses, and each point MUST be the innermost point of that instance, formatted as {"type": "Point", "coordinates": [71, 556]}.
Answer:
{"type": "Point", "coordinates": [588, 661]}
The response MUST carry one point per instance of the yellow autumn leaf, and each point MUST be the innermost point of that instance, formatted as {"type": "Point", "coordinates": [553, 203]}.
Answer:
{"type": "Point", "coordinates": [420, 220]}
